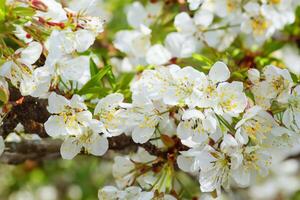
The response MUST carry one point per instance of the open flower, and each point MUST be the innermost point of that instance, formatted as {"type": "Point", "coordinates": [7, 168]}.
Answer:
{"type": "Point", "coordinates": [138, 15]}
{"type": "Point", "coordinates": [143, 118]}
{"type": "Point", "coordinates": [231, 98]}
{"type": "Point", "coordinates": [196, 125]}
{"type": "Point", "coordinates": [21, 66]}
{"type": "Point", "coordinates": [185, 87]}
{"type": "Point", "coordinates": [68, 116]}
{"type": "Point", "coordinates": [256, 161]}
{"type": "Point", "coordinates": [276, 86]}
{"type": "Point", "coordinates": [109, 112]}
{"type": "Point", "coordinates": [90, 140]}
{"type": "Point", "coordinates": [256, 124]}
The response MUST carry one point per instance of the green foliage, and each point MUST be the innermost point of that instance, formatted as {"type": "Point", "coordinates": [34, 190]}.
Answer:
{"type": "Point", "coordinates": [95, 81]}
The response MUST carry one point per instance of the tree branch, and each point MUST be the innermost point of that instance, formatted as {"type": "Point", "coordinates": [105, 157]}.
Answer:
{"type": "Point", "coordinates": [47, 149]}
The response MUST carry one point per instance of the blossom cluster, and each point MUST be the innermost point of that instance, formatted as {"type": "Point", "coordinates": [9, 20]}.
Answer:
{"type": "Point", "coordinates": [202, 121]}
{"type": "Point", "coordinates": [216, 24]}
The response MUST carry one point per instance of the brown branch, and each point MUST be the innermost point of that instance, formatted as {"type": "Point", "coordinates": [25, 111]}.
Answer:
{"type": "Point", "coordinates": [47, 149]}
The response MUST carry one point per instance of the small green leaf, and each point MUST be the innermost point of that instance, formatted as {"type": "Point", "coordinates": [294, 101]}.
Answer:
{"type": "Point", "coordinates": [95, 80]}
{"type": "Point", "coordinates": [24, 11]}
{"type": "Point", "coordinates": [93, 68]}
{"type": "Point", "coordinates": [111, 79]}
{"type": "Point", "coordinates": [124, 81]}
{"type": "Point", "coordinates": [203, 59]}
{"type": "Point", "coordinates": [4, 94]}
{"type": "Point", "coordinates": [272, 46]}
{"type": "Point", "coordinates": [2, 10]}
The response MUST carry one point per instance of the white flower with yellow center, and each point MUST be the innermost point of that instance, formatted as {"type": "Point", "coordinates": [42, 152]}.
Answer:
{"type": "Point", "coordinates": [276, 86]}
{"type": "Point", "coordinates": [89, 140]}
{"type": "Point", "coordinates": [231, 98]}
{"type": "Point", "coordinates": [108, 110]}
{"type": "Point", "coordinates": [196, 125]}
{"type": "Point", "coordinates": [143, 118]}
{"type": "Point", "coordinates": [256, 23]}
{"type": "Point", "coordinates": [21, 65]}
{"type": "Point", "coordinates": [280, 81]}
{"type": "Point", "coordinates": [68, 116]}
{"type": "Point", "coordinates": [232, 8]}
{"type": "Point", "coordinates": [273, 10]}
{"type": "Point", "coordinates": [256, 161]}
{"type": "Point", "coordinates": [185, 88]}
{"type": "Point", "coordinates": [138, 15]}
{"type": "Point", "coordinates": [218, 73]}
{"type": "Point", "coordinates": [125, 169]}
{"type": "Point", "coordinates": [153, 84]}
{"type": "Point", "coordinates": [256, 125]}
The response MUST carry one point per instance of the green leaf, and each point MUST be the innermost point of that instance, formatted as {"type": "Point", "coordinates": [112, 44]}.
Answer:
{"type": "Point", "coordinates": [4, 94]}
{"type": "Point", "coordinates": [111, 79]}
{"type": "Point", "coordinates": [272, 46]}
{"type": "Point", "coordinates": [203, 59]}
{"type": "Point", "coordinates": [95, 80]}
{"type": "Point", "coordinates": [294, 77]}
{"type": "Point", "coordinates": [2, 10]}
{"type": "Point", "coordinates": [99, 91]}
{"type": "Point", "coordinates": [124, 81]}
{"type": "Point", "coordinates": [93, 68]}
{"type": "Point", "coordinates": [24, 11]}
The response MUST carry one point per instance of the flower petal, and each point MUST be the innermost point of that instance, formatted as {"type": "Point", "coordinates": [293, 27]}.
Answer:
{"type": "Point", "coordinates": [219, 72]}
{"type": "Point", "coordinates": [70, 148]}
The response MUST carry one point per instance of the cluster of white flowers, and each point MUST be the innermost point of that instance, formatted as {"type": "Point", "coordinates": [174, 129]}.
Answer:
{"type": "Point", "coordinates": [214, 23]}
{"type": "Point", "coordinates": [71, 34]}
{"type": "Point", "coordinates": [230, 136]}
{"type": "Point", "coordinates": [207, 124]}
{"type": "Point", "coordinates": [218, 23]}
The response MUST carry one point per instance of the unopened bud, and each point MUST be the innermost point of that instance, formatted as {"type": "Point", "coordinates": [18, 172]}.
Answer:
{"type": "Point", "coordinates": [39, 5]}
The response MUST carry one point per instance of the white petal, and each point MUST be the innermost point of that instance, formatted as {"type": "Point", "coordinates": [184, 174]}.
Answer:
{"type": "Point", "coordinates": [99, 145]}
{"type": "Point", "coordinates": [31, 54]}
{"type": "Point", "coordinates": [192, 113]}
{"type": "Point", "coordinates": [194, 4]}
{"type": "Point", "coordinates": [55, 126]}
{"type": "Point", "coordinates": [219, 72]}
{"type": "Point", "coordinates": [142, 135]}
{"type": "Point", "coordinates": [254, 75]}
{"type": "Point", "coordinates": [287, 118]}
{"type": "Point", "coordinates": [185, 163]}
{"type": "Point", "coordinates": [108, 192]}
{"type": "Point", "coordinates": [136, 15]}
{"type": "Point", "coordinates": [84, 117]}
{"type": "Point", "coordinates": [158, 55]}
{"type": "Point", "coordinates": [184, 23]}
{"type": "Point", "coordinates": [84, 39]}
{"type": "Point", "coordinates": [57, 103]}
{"type": "Point", "coordinates": [74, 68]}
{"type": "Point", "coordinates": [203, 17]}
{"type": "Point", "coordinates": [241, 176]}
{"type": "Point", "coordinates": [241, 137]}
{"type": "Point", "coordinates": [78, 102]}
{"type": "Point", "coordinates": [210, 124]}
{"type": "Point", "coordinates": [2, 145]}
{"type": "Point", "coordinates": [109, 102]}
{"type": "Point", "coordinates": [183, 131]}
{"type": "Point", "coordinates": [70, 148]}
{"type": "Point", "coordinates": [180, 45]}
